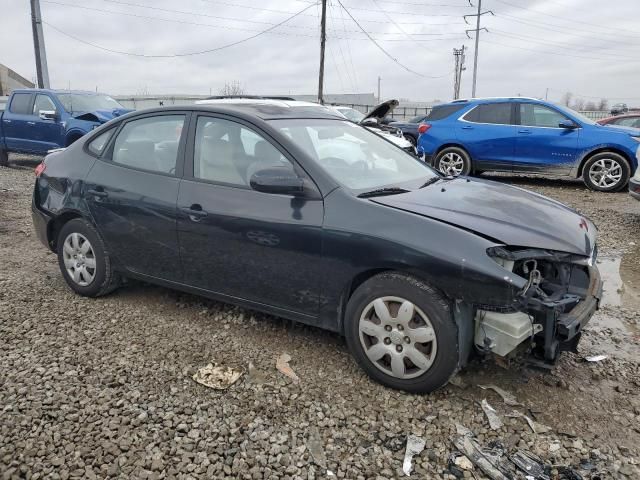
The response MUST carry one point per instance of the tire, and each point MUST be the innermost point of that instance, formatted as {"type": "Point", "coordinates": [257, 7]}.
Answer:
{"type": "Point", "coordinates": [95, 275]}
{"type": "Point", "coordinates": [453, 161]}
{"type": "Point", "coordinates": [606, 172]}
{"type": "Point", "coordinates": [4, 159]}
{"type": "Point", "coordinates": [439, 351]}
{"type": "Point", "coordinates": [411, 139]}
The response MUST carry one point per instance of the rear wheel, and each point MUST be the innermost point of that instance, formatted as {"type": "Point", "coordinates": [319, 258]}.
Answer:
{"type": "Point", "coordinates": [606, 172]}
{"type": "Point", "coordinates": [453, 161]}
{"type": "Point", "coordinates": [411, 139]}
{"type": "Point", "coordinates": [84, 262]}
{"type": "Point", "coordinates": [402, 334]}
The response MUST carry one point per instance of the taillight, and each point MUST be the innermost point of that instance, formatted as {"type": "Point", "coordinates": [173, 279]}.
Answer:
{"type": "Point", "coordinates": [423, 127]}
{"type": "Point", "coordinates": [40, 169]}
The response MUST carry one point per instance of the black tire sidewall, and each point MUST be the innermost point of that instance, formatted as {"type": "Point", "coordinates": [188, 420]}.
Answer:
{"type": "Point", "coordinates": [626, 172]}
{"type": "Point", "coordinates": [432, 304]}
{"type": "Point", "coordinates": [411, 139]}
{"type": "Point", "coordinates": [465, 157]}
{"type": "Point", "coordinates": [102, 275]}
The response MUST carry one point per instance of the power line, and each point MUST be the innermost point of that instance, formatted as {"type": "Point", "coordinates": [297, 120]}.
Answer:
{"type": "Point", "coordinates": [617, 29]}
{"type": "Point", "coordinates": [393, 22]}
{"type": "Point", "coordinates": [210, 50]}
{"type": "Point", "coordinates": [475, 53]}
{"type": "Point", "coordinates": [342, 55]}
{"type": "Point", "coordinates": [373, 40]}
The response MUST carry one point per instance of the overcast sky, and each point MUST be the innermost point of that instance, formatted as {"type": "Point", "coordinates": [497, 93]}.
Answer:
{"type": "Point", "coordinates": [588, 47]}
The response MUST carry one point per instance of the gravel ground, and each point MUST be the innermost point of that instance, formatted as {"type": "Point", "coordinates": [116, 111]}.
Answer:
{"type": "Point", "coordinates": [102, 388]}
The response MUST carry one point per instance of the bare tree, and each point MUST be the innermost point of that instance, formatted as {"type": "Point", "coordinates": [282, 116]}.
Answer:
{"type": "Point", "coordinates": [566, 98]}
{"type": "Point", "coordinates": [578, 104]}
{"type": "Point", "coordinates": [603, 105]}
{"type": "Point", "coordinates": [231, 88]}
{"type": "Point", "coordinates": [590, 106]}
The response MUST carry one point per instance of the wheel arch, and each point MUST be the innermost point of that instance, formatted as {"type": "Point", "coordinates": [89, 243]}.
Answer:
{"type": "Point", "coordinates": [451, 144]}
{"type": "Point", "coordinates": [363, 276]}
{"type": "Point", "coordinates": [54, 227]}
{"type": "Point", "coordinates": [602, 149]}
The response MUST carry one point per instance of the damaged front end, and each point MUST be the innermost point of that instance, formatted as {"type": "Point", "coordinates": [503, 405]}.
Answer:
{"type": "Point", "coordinates": [560, 293]}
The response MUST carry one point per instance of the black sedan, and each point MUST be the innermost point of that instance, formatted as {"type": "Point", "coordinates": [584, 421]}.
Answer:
{"type": "Point", "coordinates": [307, 216]}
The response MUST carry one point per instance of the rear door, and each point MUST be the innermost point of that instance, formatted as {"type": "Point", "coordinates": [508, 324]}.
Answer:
{"type": "Point", "coordinates": [132, 191]}
{"type": "Point", "coordinates": [17, 123]}
{"type": "Point", "coordinates": [236, 241]}
{"type": "Point", "coordinates": [47, 133]}
{"type": "Point", "coordinates": [541, 145]}
{"type": "Point", "coordinates": [488, 131]}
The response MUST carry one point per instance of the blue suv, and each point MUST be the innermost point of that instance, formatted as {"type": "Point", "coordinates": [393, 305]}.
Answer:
{"type": "Point", "coordinates": [528, 135]}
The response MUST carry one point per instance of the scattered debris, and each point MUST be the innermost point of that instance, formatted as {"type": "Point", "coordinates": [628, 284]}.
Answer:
{"type": "Point", "coordinates": [494, 420]}
{"type": "Point", "coordinates": [596, 358]}
{"type": "Point", "coordinates": [217, 376]}
{"type": "Point", "coordinates": [507, 397]}
{"type": "Point", "coordinates": [484, 459]}
{"type": "Point", "coordinates": [316, 449]}
{"type": "Point", "coordinates": [535, 426]}
{"type": "Point", "coordinates": [458, 463]}
{"type": "Point", "coordinates": [554, 446]}
{"type": "Point", "coordinates": [457, 381]}
{"type": "Point", "coordinates": [282, 364]}
{"type": "Point", "coordinates": [256, 376]}
{"type": "Point", "coordinates": [529, 464]}
{"type": "Point", "coordinates": [415, 445]}
{"type": "Point", "coordinates": [462, 430]}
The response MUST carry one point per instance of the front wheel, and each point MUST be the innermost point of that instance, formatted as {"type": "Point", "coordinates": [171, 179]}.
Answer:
{"type": "Point", "coordinates": [453, 161]}
{"type": "Point", "coordinates": [606, 172]}
{"type": "Point", "coordinates": [401, 333]}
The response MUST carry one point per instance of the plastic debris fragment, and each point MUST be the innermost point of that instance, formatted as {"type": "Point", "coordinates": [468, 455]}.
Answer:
{"type": "Point", "coordinates": [494, 420]}
{"type": "Point", "coordinates": [535, 426]}
{"type": "Point", "coordinates": [596, 358]}
{"type": "Point", "coordinates": [415, 445]}
{"type": "Point", "coordinates": [316, 449]}
{"type": "Point", "coordinates": [530, 464]}
{"type": "Point", "coordinates": [484, 459]}
{"type": "Point", "coordinates": [217, 376]}
{"type": "Point", "coordinates": [507, 397]}
{"type": "Point", "coordinates": [282, 364]}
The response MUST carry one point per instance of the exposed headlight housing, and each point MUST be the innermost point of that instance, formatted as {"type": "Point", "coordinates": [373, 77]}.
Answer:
{"type": "Point", "coordinates": [637, 139]}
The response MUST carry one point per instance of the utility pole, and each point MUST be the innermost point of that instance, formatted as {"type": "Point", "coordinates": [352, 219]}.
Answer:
{"type": "Point", "coordinates": [323, 39]}
{"type": "Point", "coordinates": [38, 45]}
{"type": "Point", "coordinates": [477, 30]}
{"type": "Point", "coordinates": [459, 57]}
{"type": "Point", "coordinates": [379, 88]}
{"type": "Point", "coordinates": [546, 94]}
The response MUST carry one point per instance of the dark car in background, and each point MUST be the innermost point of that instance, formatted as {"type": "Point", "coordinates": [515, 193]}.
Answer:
{"type": "Point", "coordinates": [302, 214]}
{"type": "Point", "coordinates": [626, 120]}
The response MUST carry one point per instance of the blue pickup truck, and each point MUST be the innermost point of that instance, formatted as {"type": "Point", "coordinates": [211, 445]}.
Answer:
{"type": "Point", "coordinates": [37, 120]}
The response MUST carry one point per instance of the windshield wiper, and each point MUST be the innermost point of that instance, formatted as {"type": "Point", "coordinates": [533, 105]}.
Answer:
{"type": "Point", "coordinates": [431, 181]}
{"type": "Point", "coordinates": [383, 191]}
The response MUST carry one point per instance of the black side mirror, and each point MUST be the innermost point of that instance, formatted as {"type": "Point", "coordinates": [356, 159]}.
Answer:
{"type": "Point", "coordinates": [568, 124]}
{"type": "Point", "coordinates": [281, 180]}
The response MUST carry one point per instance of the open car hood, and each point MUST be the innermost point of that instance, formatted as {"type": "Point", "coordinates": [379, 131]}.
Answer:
{"type": "Point", "coordinates": [101, 116]}
{"type": "Point", "coordinates": [382, 110]}
{"type": "Point", "coordinates": [506, 214]}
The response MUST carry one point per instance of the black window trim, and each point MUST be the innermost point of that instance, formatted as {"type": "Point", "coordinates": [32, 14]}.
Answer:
{"type": "Point", "coordinates": [519, 119]}
{"type": "Point", "coordinates": [190, 152]}
{"type": "Point", "coordinates": [95, 134]}
{"type": "Point", "coordinates": [107, 155]}
{"type": "Point", "coordinates": [513, 113]}
{"type": "Point", "coordinates": [32, 97]}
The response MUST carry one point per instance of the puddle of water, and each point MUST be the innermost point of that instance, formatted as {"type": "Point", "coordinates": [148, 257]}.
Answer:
{"type": "Point", "coordinates": [621, 275]}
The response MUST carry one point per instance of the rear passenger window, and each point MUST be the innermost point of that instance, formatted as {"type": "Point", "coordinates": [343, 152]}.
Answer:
{"type": "Point", "coordinates": [96, 146]}
{"type": "Point", "coordinates": [149, 143]}
{"type": "Point", "coordinates": [443, 111]}
{"type": "Point", "coordinates": [20, 103]}
{"type": "Point", "coordinates": [496, 113]}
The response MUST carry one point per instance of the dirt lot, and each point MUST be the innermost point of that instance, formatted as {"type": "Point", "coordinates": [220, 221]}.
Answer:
{"type": "Point", "coordinates": [103, 388]}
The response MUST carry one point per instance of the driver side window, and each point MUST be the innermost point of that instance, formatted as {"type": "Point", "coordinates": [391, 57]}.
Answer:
{"type": "Point", "coordinates": [532, 115]}
{"type": "Point", "coordinates": [43, 102]}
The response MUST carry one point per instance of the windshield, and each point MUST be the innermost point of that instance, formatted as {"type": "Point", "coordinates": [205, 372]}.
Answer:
{"type": "Point", "coordinates": [571, 112]}
{"type": "Point", "coordinates": [352, 114]}
{"type": "Point", "coordinates": [353, 156]}
{"type": "Point", "coordinates": [76, 103]}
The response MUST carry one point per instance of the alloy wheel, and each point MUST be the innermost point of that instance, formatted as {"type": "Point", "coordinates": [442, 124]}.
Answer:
{"type": "Point", "coordinates": [451, 164]}
{"type": "Point", "coordinates": [397, 337]}
{"type": "Point", "coordinates": [605, 173]}
{"type": "Point", "coordinates": [79, 259]}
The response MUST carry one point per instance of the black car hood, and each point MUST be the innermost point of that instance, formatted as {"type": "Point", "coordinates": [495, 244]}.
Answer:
{"type": "Point", "coordinates": [509, 215]}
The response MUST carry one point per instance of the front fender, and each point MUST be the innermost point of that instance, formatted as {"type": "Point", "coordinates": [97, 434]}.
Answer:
{"type": "Point", "coordinates": [632, 156]}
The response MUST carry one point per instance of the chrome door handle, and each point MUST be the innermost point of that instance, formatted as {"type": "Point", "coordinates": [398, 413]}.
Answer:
{"type": "Point", "coordinates": [98, 193]}
{"type": "Point", "coordinates": [31, 123]}
{"type": "Point", "coordinates": [467, 127]}
{"type": "Point", "coordinates": [195, 212]}
{"type": "Point", "coordinates": [526, 132]}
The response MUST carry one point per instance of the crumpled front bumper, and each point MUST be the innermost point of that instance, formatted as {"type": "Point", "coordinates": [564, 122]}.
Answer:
{"type": "Point", "coordinates": [562, 330]}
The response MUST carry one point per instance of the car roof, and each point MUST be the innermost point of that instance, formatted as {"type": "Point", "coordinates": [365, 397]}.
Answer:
{"type": "Point", "coordinates": [264, 110]}
{"type": "Point", "coordinates": [51, 90]}
{"type": "Point", "coordinates": [491, 100]}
